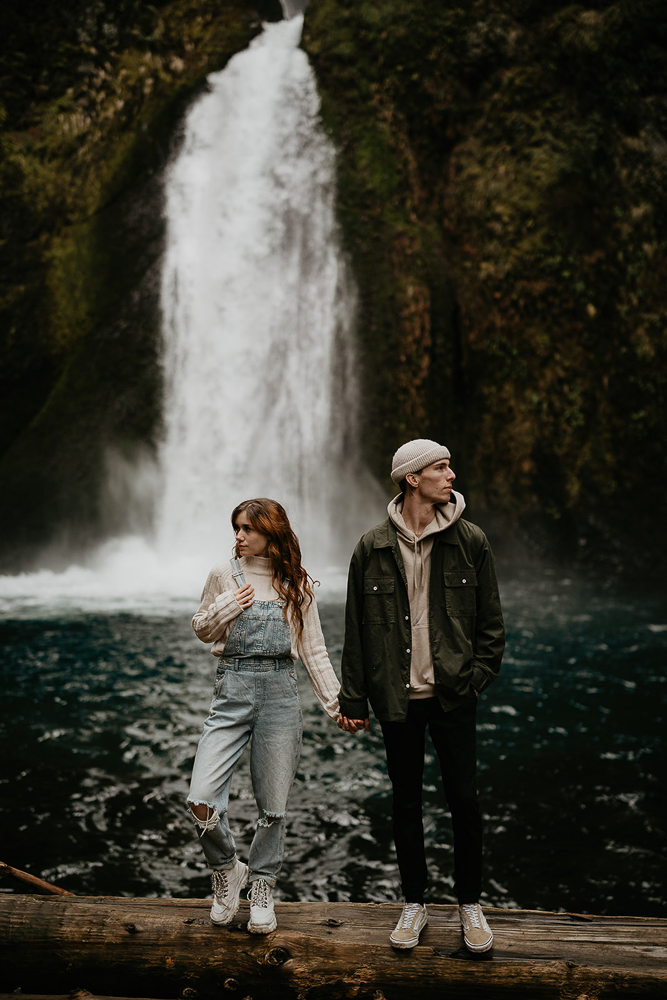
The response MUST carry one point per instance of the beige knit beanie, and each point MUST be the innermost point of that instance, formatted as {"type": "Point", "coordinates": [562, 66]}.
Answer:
{"type": "Point", "coordinates": [415, 456]}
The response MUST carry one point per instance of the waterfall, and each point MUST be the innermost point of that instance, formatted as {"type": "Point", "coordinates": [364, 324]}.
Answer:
{"type": "Point", "coordinates": [258, 307]}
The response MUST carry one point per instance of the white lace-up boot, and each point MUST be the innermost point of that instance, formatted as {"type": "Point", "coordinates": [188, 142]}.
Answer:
{"type": "Point", "coordinates": [262, 915]}
{"type": "Point", "coordinates": [477, 934]}
{"type": "Point", "coordinates": [227, 885]}
{"type": "Point", "coordinates": [411, 922]}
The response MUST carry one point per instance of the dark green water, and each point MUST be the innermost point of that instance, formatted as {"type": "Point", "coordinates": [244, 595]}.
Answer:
{"type": "Point", "coordinates": [100, 717]}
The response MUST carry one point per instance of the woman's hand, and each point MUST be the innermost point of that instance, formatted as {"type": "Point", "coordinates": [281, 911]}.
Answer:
{"type": "Point", "coordinates": [245, 596]}
{"type": "Point", "coordinates": [353, 725]}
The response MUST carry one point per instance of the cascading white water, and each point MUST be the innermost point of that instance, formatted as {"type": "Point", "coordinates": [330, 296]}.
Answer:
{"type": "Point", "coordinates": [258, 311]}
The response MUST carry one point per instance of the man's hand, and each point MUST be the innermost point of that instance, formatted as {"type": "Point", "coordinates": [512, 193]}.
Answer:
{"type": "Point", "coordinates": [353, 725]}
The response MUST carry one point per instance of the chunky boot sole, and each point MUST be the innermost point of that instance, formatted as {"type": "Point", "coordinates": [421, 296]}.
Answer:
{"type": "Point", "coordinates": [263, 928]}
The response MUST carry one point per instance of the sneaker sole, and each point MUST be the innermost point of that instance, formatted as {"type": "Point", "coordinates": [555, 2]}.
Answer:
{"type": "Point", "coordinates": [412, 943]}
{"type": "Point", "coordinates": [242, 885]}
{"type": "Point", "coordinates": [479, 948]}
{"type": "Point", "coordinates": [263, 928]}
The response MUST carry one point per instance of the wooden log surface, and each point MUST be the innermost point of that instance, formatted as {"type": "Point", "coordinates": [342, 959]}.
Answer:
{"type": "Point", "coordinates": [168, 948]}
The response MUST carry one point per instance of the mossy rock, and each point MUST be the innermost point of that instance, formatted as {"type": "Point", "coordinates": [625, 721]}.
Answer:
{"type": "Point", "coordinates": [91, 117]}
{"type": "Point", "coordinates": [503, 195]}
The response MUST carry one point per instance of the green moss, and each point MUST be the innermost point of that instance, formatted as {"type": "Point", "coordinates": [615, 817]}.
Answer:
{"type": "Point", "coordinates": [80, 198]}
{"type": "Point", "coordinates": [513, 154]}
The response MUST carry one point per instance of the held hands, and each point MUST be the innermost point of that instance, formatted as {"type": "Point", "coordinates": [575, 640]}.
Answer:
{"type": "Point", "coordinates": [245, 596]}
{"type": "Point", "coordinates": [353, 725]}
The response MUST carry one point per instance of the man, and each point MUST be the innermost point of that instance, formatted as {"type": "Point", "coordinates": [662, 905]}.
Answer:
{"type": "Point", "coordinates": [424, 637]}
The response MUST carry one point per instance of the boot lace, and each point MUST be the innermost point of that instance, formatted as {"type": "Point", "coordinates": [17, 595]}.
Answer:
{"type": "Point", "coordinates": [259, 893]}
{"type": "Point", "coordinates": [409, 915]}
{"type": "Point", "coordinates": [472, 912]}
{"type": "Point", "coordinates": [220, 884]}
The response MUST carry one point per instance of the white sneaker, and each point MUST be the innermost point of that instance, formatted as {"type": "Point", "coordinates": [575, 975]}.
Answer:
{"type": "Point", "coordinates": [477, 934]}
{"type": "Point", "coordinates": [227, 887]}
{"type": "Point", "coordinates": [411, 922]}
{"type": "Point", "coordinates": [262, 915]}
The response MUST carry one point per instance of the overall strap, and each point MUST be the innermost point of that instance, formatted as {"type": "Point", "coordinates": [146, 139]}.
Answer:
{"type": "Point", "coordinates": [237, 572]}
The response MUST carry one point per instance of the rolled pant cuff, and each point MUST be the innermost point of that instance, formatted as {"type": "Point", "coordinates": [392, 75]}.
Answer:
{"type": "Point", "coordinates": [256, 876]}
{"type": "Point", "coordinates": [224, 866]}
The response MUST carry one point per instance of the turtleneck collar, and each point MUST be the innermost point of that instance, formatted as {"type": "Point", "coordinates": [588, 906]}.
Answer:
{"type": "Point", "coordinates": [258, 564]}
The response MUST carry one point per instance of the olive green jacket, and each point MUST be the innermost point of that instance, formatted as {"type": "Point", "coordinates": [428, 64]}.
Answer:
{"type": "Point", "coordinates": [465, 622]}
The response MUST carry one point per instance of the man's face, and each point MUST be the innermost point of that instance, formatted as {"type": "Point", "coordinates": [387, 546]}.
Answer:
{"type": "Point", "coordinates": [435, 482]}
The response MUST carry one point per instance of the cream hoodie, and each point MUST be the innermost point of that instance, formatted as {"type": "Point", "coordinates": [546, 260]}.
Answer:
{"type": "Point", "coordinates": [218, 609]}
{"type": "Point", "coordinates": [416, 553]}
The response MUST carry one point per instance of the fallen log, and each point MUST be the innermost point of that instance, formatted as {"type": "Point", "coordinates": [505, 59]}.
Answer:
{"type": "Point", "coordinates": [168, 948]}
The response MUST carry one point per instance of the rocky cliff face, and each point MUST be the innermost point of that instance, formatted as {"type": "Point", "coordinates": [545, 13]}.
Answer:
{"type": "Point", "coordinates": [92, 95]}
{"type": "Point", "coordinates": [502, 192]}
{"type": "Point", "coordinates": [503, 178]}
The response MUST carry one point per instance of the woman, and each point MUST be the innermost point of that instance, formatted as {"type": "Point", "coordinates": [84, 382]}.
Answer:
{"type": "Point", "coordinates": [260, 612]}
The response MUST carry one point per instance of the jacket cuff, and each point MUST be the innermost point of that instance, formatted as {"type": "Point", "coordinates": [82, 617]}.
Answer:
{"type": "Point", "coordinates": [353, 708]}
{"type": "Point", "coordinates": [480, 679]}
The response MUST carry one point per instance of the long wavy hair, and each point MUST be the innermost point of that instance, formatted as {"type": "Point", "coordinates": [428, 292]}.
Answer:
{"type": "Point", "coordinates": [289, 577]}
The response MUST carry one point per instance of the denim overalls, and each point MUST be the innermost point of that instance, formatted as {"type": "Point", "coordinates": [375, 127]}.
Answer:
{"type": "Point", "coordinates": [255, 693]}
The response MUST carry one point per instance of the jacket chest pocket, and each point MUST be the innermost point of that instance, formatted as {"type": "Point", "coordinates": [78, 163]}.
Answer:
{"type": "Point", "coordinates": [461, 593]}
{"type": "Point", "coordinates": [379, 601]}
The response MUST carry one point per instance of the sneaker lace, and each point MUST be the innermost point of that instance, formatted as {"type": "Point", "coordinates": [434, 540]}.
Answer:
{"type": "Point", "coordinates": [472, 912]}
{"type": "Point", "coordinates": [409, 914]}
{"type": "Point", "coordinates": [220, 884]}
{"type": "Point", "coordinates": [259, 893]}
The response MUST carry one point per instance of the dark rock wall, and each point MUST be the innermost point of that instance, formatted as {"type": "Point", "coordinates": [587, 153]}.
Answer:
{"type": "Point", "coordinates": [503, 194]}
{"type": "Point", "coordinates": [93, 93]}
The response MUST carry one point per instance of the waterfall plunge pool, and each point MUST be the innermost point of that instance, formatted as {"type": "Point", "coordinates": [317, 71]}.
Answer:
{"type": "Point", "coordinates": [101, 713]}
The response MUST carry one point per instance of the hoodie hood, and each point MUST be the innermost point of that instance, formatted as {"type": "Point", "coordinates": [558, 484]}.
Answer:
{"type": "Point", "coordinates": [444, 516]}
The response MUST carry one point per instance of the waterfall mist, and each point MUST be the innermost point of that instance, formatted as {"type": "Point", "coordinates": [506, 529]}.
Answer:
{"type": "Point", "coordinates": [258, 305]}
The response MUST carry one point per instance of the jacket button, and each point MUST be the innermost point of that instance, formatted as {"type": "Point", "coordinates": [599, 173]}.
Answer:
{"type": "Point", "coordinates": [464, 581]}
{"type": "Point", "coordinates": [375, 588]}
{"type": "Point", "coordinates": [408, 651]}
{"type": "Point", "coordinates": [407, 685]}
{"type": "Point", "coordinates": [407, 618]}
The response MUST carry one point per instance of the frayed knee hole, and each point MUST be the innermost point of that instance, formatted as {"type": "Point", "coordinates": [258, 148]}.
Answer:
{"type": "Point", "coordinates": [268, 819]}
{"type": "Point", "coordinates": [209, 820]}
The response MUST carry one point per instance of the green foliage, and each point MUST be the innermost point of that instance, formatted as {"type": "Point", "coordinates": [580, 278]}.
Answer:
{"type": "Point", "coordinates": [512, 154]}
{"type": "Point", "coordinates": [92, 92]}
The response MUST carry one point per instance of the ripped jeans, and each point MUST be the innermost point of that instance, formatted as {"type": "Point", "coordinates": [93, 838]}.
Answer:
{"type": "Point", "coordinates": [253, 697]}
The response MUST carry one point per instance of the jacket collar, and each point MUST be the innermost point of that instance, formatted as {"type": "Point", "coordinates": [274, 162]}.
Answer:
{"type": "Point", "coordinates": [386, 537]}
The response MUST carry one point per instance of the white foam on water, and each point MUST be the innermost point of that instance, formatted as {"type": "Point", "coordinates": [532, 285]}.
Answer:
{"type": "Point", "coordinates": [258, 304]}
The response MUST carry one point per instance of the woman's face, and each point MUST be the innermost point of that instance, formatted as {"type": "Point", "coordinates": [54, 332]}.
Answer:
{"type": "Point", "coordinates": [249, 541]}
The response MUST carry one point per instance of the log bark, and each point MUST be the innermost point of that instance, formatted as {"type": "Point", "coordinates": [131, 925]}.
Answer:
{"type": "Point", "coordinates": [168, 948]}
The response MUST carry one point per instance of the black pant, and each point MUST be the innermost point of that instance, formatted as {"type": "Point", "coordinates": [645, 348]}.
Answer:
{"type": "Point", "coordinates": [453, 735]}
